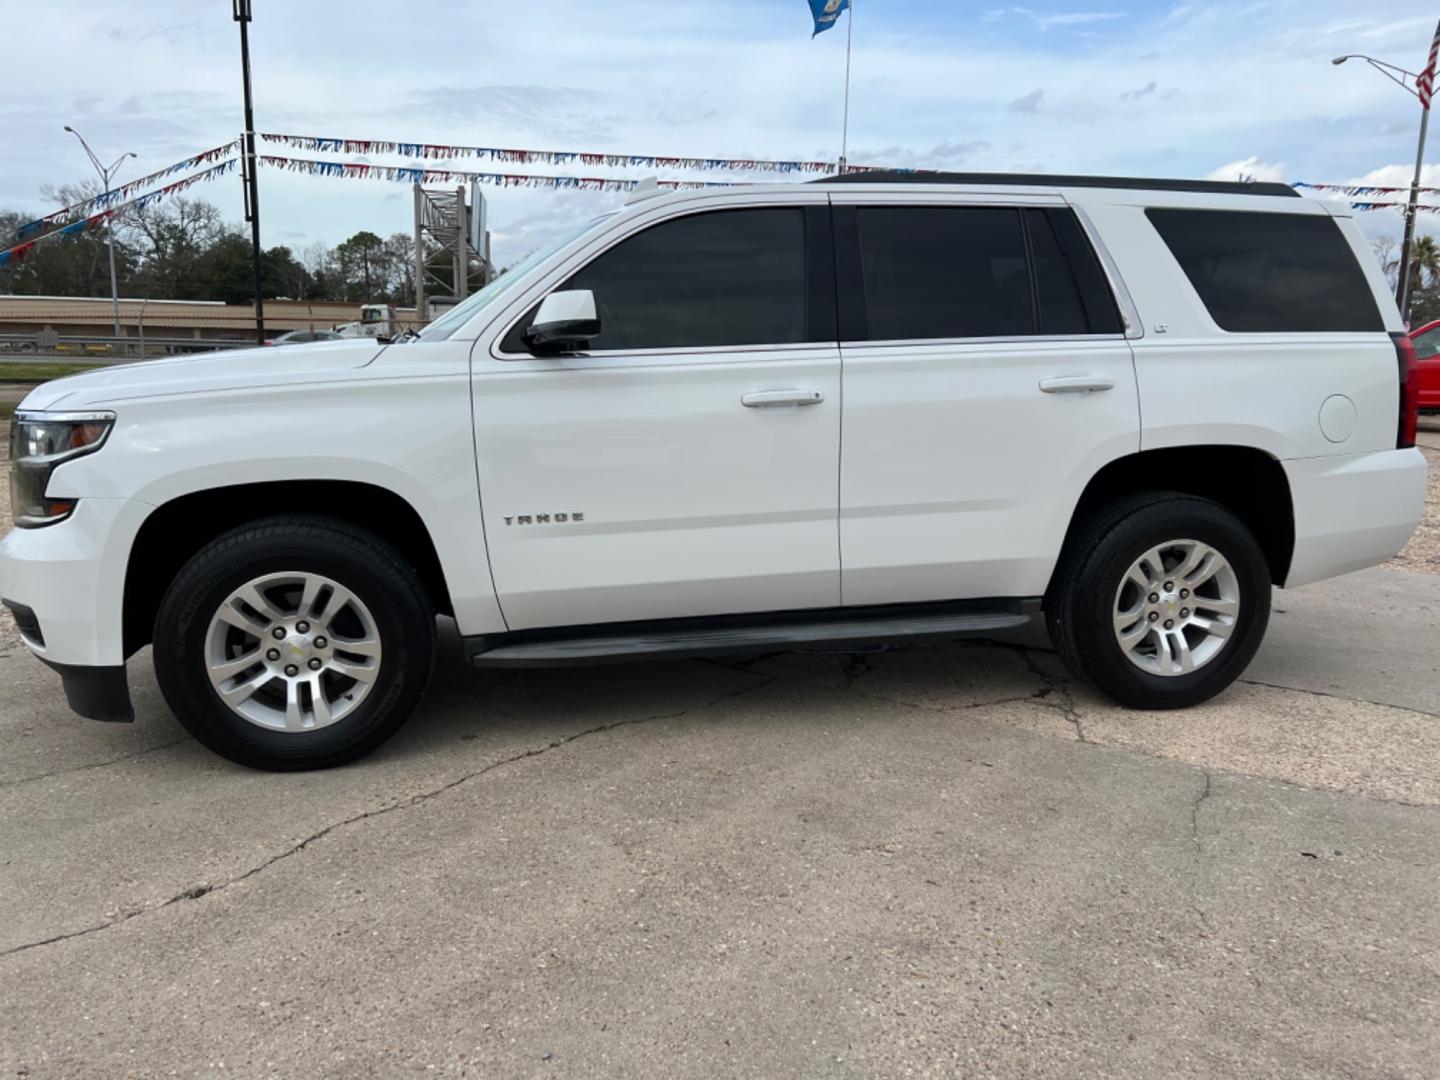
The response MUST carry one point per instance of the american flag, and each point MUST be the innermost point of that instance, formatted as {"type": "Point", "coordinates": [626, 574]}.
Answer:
{"type": "Point", "coordinates": [1425, 84]}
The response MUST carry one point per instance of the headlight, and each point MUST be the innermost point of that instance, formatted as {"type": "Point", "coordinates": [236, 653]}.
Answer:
{"type": "Point", "coordinates": [40, 441]}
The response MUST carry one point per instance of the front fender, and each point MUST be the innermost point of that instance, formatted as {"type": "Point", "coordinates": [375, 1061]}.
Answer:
{"type": "Point", "coordinates": [410, 436]}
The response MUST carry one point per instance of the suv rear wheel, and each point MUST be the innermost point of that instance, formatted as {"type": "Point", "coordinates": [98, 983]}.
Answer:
{"type": "Point", "coordinates": [294, 643]}
{"type": "Point", "coordinates": [1161, 601]}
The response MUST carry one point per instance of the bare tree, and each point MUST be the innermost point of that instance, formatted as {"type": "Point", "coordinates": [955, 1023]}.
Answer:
{"type": "Point", "coordinates": [400, 266]}
{"type": "Point", "coordinates": [322, 272]}
{"type": "Point", "coordinates": [1384, 248]}
{"type": "Point", "coordinates": [169, 240]}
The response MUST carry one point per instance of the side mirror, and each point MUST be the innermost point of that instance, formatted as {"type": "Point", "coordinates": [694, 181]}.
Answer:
{"type": "Point", "coordinates": [565, 320]}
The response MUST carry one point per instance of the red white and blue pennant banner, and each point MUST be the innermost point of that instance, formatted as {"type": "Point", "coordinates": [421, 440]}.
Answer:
{"type": "Point", "coordinates": [94, 221]}
{"type": "Point", "coordinates": [1394, 206]}
{"type": "Point", "coordinates": [123, 192]}
{"type": "Point", "coordinates": [445, 151]}
{"type": "Point", "coordinates": [1363, 189]}
{"type": "Point", "coordinates": [357, 171]}
{"type": "Point", "coordinates": [407, 174]}
{"type": "Point", "coordinates": [91, 213]}
{"type": "Point", "coordinates": [1359, 191]}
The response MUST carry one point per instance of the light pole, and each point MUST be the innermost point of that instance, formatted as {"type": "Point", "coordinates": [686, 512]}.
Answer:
{"type": "Point", "coordinates": [105, 176]}
{"type": "Point", "coordinates": [1421, 90]}
{"type": "Point", "coordinates": [241, 11]}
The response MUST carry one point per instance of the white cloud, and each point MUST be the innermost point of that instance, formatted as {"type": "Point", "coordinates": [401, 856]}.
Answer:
{"type": "Point", "coordinates": [945, 155]}
{"type": "Point", "coordinates": [1140, 91]}
{"type": "Point", "coordinates": [1398, 176]}
{"type": "Point", "coordinates": [1045, 22]}
{"type": "Point", "coordinates": [1250, 168]}
{"type": "Point", "coordinates": [1029, 103]}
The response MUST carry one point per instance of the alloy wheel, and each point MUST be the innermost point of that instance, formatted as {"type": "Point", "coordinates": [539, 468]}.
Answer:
{"type": "Point", "coordinates": [1176, 607]}
{"type": "Point", "coordinates": [292, 651]}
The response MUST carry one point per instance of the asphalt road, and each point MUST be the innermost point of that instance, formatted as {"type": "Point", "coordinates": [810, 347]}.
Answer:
{"type": "Point", "coordinates": [937, 861]}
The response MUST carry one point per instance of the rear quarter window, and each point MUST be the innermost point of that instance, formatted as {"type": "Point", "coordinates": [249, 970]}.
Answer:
{"type": "Point", "coordinates": [1270, 272]}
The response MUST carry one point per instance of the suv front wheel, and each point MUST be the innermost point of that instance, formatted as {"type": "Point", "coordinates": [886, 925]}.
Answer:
{"type": "Point", "coordinates": [294, 643]}
{"type": "Point", "coordinates": [1161, 601]}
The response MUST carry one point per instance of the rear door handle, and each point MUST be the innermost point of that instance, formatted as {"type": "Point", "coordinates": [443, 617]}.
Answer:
{"type": "Point", "coordinates": [1076, 384]}
{"type": "Point", "coordinates": [767, 399]}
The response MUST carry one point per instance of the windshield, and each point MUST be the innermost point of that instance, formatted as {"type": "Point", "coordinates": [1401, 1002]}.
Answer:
{"type": "Point", "coordinates": [461, 313]}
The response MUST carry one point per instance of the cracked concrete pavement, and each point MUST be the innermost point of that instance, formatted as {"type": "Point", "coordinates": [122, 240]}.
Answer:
{"type": "Point", "coordinates": [942, 860]}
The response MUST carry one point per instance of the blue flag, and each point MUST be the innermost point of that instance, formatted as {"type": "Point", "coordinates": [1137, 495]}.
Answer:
{"type": "Point", "coordinates": [826, 12]}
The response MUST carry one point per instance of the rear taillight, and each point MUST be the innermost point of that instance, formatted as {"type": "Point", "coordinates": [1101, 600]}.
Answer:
{"type": "Point", "coordinates": [1409, 391]}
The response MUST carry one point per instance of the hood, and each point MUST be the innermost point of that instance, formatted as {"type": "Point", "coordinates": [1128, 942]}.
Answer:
{"type": "Point", "coordinates": [228, 369]}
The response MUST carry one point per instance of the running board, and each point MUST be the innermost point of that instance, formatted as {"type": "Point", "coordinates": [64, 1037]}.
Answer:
{"type": "Point", "coordinates": [674, 639]}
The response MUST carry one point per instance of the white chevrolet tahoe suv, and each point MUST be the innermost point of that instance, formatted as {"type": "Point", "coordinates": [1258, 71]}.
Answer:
{"type": "Point", "coordinates": [858, 410]}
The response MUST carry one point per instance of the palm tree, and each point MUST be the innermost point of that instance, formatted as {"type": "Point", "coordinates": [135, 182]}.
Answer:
{"type": "Point", "coordinates": [1424, 262]}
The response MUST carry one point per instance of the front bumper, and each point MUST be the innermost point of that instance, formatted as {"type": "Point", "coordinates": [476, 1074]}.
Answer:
{"type": "Point", "coordinates": [72, 576]}
{"type": "Point", "coordinates": [66, 585]}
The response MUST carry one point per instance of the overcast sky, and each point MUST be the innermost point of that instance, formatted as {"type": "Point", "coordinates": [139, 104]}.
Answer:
{"type": "Point", "coordinates": [1148, 88]}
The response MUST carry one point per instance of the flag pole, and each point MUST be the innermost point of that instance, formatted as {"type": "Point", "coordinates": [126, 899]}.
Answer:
{"type": "Point", "coordinates": [845, 126]}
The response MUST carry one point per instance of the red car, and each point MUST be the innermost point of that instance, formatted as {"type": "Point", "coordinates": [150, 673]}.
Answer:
{"type": "Point", "coordinates": [1427, 351]}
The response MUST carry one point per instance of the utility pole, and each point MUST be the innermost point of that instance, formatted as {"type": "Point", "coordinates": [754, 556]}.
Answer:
{"type": "Point", "coordinates": [462, 247]}
{"type": "Point", "coordinates": [1423, 90]}
{"type": "Point", "coordinates": [1402, 290]}
{"type": "Point", "coordinates": [421, 305]}
{"type": "Point", "coordinates": [251, 181]}
{"type": "Point", "coordinates": [845, 126]}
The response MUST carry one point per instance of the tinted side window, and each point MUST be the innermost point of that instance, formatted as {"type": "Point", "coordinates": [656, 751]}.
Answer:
{"type": "Point", "coordinates": [1427, 344]}
{"type": "Point", "coordinates": [944, 272]}
{"type": "Point", "coordinates": [1059, 309]}
{"type": "Point", "coordinates": [1101, 311]}
{"type": "Point", "coordinates": [734, 277]}
{"type": "Point", "coordinates": [1259, 271]}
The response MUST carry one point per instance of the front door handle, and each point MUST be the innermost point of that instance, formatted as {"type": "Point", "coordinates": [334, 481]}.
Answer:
{"type": "Point", "coordinates": [769, 399]}
{"type": "Point", "coordinates": [1076, 384]}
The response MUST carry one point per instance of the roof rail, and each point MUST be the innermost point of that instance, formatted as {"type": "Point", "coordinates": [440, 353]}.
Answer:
{"type": "Point", "coordinates": [1138, 183]}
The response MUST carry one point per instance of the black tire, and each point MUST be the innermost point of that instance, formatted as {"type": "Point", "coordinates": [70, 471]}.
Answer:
{"type": "Point", "coordinates": [1080, 607]}
{"type": "Point", "coordinates": [363, 563]}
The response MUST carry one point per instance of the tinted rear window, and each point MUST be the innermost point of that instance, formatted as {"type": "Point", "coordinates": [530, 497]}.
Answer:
{"type": "Point", "coordinates": [1270, 272]}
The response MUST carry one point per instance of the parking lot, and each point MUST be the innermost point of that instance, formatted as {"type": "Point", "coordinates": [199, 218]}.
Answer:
{"type": "Point", "coordinates": [941, 860]}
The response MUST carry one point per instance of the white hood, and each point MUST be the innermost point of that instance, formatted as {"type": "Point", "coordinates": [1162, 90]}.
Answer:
{"type": "Point", "coordinates": [220, 370]}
